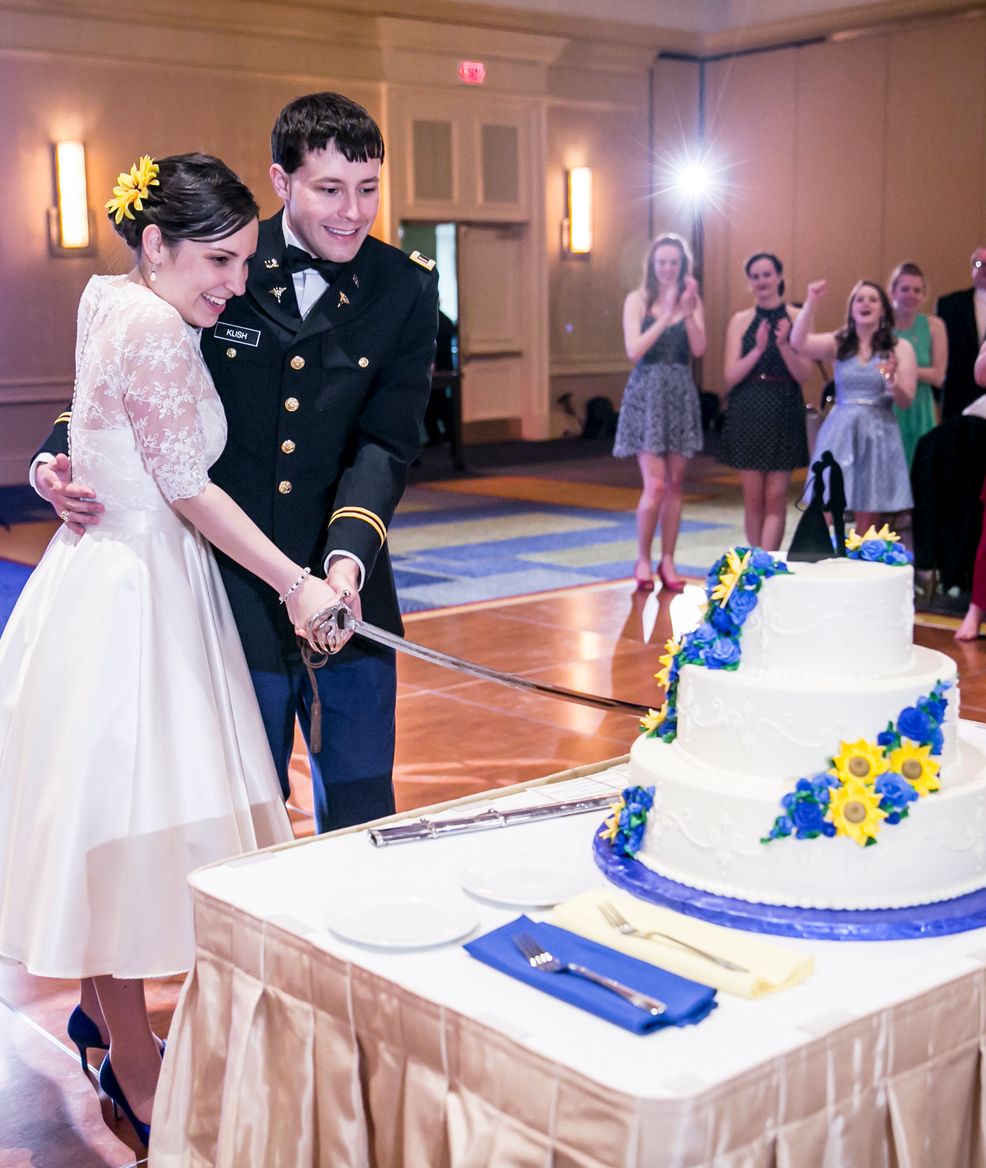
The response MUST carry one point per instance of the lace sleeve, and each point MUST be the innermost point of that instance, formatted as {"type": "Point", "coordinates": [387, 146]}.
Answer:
{"type": "Point", "coordinates": [162, 378]}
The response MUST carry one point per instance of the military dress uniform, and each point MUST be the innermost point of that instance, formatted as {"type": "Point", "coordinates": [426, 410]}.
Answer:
{"type": "Point", "coordinates": [324, 418]}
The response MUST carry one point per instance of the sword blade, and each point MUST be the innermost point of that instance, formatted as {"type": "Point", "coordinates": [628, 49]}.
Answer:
{"type": "Point", "coordinates": [484, 672]}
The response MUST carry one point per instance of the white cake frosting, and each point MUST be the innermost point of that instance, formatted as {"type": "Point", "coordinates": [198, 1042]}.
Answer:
{"type": "Point", "coordinates": [827, 657]}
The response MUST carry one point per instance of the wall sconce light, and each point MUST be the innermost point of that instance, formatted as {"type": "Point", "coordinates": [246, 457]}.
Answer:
{"type": "Point", "coordinates": [71, 229]}
{"type": "Point", "coordinates": [577, 228]}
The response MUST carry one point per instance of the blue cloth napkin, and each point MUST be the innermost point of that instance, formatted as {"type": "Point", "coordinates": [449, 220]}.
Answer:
{"type": "Point", "coordinates": [688, 1002]}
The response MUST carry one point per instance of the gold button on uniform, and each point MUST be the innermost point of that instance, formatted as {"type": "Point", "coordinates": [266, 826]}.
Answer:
{"type": "Point", "coordinates": [287, 446]}
{"type": "Point", "coordinates": [284, 487]}
{"type": "Point", "coordinates": [231, 352]}
{"type": "Point", "coordinates": [297, 362]}
{"type": "Point", "coordinates": [291, 404]}
{"type": "Point", "coordinates": [363, 362]}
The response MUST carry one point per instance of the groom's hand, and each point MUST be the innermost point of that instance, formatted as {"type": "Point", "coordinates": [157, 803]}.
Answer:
{"type": "Point", "coordinates": [74, 503]}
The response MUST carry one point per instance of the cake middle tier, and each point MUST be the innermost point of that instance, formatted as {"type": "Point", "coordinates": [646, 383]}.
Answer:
{"type": "Point", "coordinates": [771, 726]}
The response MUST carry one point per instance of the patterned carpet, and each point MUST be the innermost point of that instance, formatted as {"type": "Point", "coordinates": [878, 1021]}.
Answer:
{"type": "Point", "coordinates": [510, 528]}
{"type": "Point", "coordinates": [555, 526]}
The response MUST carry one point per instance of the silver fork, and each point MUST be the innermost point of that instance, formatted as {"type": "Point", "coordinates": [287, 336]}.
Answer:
{"type": "Point", "coordinates": [540, 959]}
{"type": "Point", "coordinates": [615, 918]}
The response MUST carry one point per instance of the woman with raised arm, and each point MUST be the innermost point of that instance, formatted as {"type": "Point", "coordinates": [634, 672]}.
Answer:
{"type": "Point", "coordinates": [874, 370]}
{"type": "Point", "coordinates": [764, 434]}
{"type": "Point", "coordinates": [660, 422]}
{"type": "Point", "coordinates": [157, 761]}
{"type": "Point", "coordinates": [908, 292]}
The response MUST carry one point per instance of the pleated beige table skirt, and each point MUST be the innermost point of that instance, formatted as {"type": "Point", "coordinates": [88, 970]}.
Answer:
{"type": "Point", "coordinates": [283, 1053]}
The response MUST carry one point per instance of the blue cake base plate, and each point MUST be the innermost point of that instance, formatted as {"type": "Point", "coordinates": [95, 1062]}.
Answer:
{"type": "Point", "coordinates": [817, 924]}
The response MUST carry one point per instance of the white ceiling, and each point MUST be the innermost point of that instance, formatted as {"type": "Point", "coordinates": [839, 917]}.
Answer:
{"type": "Point", "coordinates": [690, 16]}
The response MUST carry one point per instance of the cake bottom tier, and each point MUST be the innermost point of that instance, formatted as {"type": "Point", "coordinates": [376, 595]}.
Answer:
{"type": "Point", "coordinates": [705, 829]}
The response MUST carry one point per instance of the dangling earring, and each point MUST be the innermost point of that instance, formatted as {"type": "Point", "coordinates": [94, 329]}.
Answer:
{"type": "Point", "coordinates": [153, 274]}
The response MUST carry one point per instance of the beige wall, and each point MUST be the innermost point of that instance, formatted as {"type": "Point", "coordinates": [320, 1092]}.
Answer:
{"type": "Point", "coordinates": [845, 159]}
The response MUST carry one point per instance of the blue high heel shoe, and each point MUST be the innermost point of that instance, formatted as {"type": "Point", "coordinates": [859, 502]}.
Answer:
{"type": "Point", "coordinates": [85, 1034]}
{"type": "Point", "coordinates": [111, 1089]}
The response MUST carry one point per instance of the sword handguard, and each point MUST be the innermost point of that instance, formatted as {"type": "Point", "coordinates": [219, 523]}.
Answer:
{"type": "Point", "coordinates": [330, 628]}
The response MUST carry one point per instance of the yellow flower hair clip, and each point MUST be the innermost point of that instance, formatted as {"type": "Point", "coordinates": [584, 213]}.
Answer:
{"type": "Point", "coordinates": [132, 187]}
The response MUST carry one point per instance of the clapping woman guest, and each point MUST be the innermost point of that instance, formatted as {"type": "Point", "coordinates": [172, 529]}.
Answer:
{"type": "Point", "coordinates": [908, 291]}
{"type": "Point", "coordinates": [660, 421]}
{"type": "Point", "coordinates": [764, 435]}
{"type": "Point", "coordinates": [158, 762]}
{"type": "Point", "coordinates": [874, 370]}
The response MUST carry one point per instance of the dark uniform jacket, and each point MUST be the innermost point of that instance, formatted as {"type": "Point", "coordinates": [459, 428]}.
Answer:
{"type": "Point", "coordinates": [958, 311]}
{"type": "Point", "coordinates": [324, 420]}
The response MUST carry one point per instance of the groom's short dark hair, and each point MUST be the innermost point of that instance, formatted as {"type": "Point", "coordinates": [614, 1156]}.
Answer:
{"type": "Point", "coordinates": [313, 121]}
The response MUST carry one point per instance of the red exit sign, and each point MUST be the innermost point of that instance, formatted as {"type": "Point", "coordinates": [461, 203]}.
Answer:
{"type": "Point", "coordinates": [472, 72]}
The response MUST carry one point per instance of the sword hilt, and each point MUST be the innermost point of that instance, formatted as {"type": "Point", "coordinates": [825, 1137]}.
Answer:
{"type": "Point", "coordinates": [328, 629]}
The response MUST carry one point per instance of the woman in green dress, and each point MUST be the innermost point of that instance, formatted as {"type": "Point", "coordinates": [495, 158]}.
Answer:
{"type": "Point", "coordinates": [908, 292]}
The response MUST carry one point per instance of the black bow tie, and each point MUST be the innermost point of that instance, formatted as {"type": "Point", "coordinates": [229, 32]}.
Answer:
{"type": "Point", "coordinates": [297, 260]}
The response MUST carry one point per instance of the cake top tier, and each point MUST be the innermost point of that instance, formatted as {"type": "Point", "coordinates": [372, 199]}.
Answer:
{"type": "Point", "coordinates": [837, 618]}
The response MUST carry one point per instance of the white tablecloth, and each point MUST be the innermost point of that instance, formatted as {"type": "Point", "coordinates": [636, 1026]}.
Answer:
{"type": "Point", "coordinates": [292, 1046]}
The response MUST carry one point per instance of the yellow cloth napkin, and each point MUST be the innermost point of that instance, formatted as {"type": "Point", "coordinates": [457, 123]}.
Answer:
{"type": "Point", "coordinates": [771, 967]}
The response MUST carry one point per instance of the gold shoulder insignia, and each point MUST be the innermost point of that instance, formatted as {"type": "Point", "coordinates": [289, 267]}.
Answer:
{"type": "Point", "coordinates": [421, 260]}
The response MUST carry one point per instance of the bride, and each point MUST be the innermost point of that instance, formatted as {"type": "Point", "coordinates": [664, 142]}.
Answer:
{"type": "Point", "coordinates": [158, 761]}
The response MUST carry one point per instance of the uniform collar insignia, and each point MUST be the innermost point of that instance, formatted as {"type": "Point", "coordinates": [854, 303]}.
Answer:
{"type": "Point", "coordinates": [343, 299]}
{"type": "Point", "coordinates": [277, 293]}
{"type": "Point", "coordinates": [271, 264]}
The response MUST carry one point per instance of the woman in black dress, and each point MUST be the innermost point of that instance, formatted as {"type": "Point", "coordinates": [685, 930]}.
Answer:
{"type": "Point", "coordinates": [764, 433]}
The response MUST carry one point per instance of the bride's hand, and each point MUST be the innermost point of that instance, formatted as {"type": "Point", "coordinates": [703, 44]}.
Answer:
{"type": "Point", "coordinates": [307, 599]}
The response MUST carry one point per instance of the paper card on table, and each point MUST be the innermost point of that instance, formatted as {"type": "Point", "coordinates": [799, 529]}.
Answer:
{"type": "Point", "coordinates": [769, 967]}
{"type": "Point", "coordinates": [687, 1001]}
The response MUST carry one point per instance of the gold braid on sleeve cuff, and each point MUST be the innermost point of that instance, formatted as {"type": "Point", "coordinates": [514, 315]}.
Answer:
{"type": "Point", "coordinates": [365, 515]}
{"type": "Point", "coordinates": [66, 417]}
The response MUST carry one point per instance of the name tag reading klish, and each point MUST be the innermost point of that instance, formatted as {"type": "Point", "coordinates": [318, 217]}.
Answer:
{"type": "Point", "coordinates": [238, 333]}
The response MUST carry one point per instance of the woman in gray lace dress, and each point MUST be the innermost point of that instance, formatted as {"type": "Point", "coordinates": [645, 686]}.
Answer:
{"type": "Point", "coordinates": [660, 422]}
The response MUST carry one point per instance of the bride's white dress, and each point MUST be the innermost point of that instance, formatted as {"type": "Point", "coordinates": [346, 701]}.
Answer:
{"type": "Point", "coordinates": [131, 746]}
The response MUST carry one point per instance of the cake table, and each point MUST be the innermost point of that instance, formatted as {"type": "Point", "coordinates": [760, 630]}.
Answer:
{"type": "Point", "coordinates": [293, 1046]}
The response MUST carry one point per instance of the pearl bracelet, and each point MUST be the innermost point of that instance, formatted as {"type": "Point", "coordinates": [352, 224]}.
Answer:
{"type": "Point", "coordinates": [297, 584]}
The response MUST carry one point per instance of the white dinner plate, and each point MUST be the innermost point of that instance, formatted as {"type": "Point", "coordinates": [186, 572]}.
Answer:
{"type": "Point", "coordinates": [520, 880]}
{"type": "Point", "coordinates": [396, 920]}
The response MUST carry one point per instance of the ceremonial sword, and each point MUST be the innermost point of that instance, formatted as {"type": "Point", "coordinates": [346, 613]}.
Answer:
{"type": "Point", "coordinates": [326, 631]}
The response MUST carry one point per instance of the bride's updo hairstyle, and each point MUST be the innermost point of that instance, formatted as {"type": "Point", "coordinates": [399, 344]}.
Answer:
{"type": "Point", "coordinates": [195, 196]}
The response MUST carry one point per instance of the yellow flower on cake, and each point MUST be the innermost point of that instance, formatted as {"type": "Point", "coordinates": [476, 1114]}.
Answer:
{"type": "Point", "coordinates": [916, 765]}
{"type": "Point", "coordinates": [853, 540]}
{"type": "Point", "coordinates": [735, 567]}
{"type": "Point", "coordinates": [132, 188]}
{"type": "Point", "coordinates": [859, 762]}
{"type": "Point", "coordinates": [653, 718]}
{"type": "Point", "coordinates": [884, 533]}
{"type": "Point", "coordinates": [611, 829]}
{"type": "Point", "coordinates": [671, 650]}
{"type": "Point", "coordinates": [855, 811]}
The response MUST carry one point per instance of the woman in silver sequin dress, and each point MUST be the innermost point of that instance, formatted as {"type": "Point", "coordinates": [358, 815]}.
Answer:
{"type": "Point", "coordinates": [660, 422]}
{"type": "Point", "coordinates": [874, 370]}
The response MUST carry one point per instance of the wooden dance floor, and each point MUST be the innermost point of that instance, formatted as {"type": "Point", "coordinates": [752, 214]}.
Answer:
{"type": "Point", "coordinates": [456, 735]}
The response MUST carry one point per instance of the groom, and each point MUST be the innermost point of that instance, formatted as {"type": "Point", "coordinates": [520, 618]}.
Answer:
{"type": "Point", "coordinates": [324, 370]}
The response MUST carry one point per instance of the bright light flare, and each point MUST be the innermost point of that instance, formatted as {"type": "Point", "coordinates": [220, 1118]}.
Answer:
{"type": "Point", "coordinates": [694, 181]}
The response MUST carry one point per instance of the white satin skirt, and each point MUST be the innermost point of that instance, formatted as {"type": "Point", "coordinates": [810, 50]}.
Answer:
{"type": "Point", "coordinates": [131, 750]}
